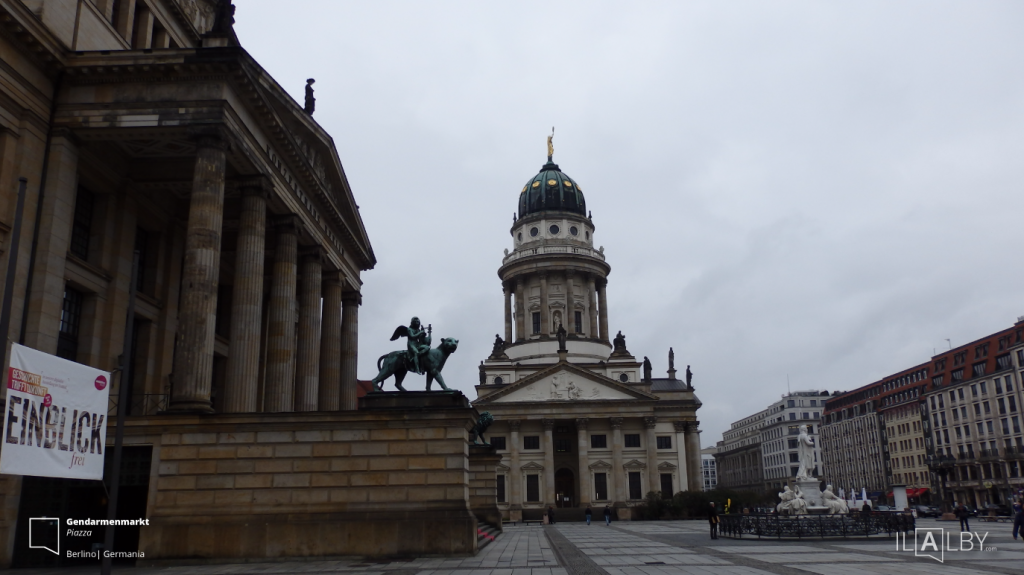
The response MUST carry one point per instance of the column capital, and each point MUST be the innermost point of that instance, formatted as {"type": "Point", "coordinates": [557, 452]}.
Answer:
{"type": "Point", "coordinates": [333, 278]}
{"type": "Point", "coordinates": [215, 136]}
{"type": "Point", "coordinates": [258, 185]}
{"type": "Point", "coordinates": [549, 424]}
{"type": "Point", "coordinates": [513, 425]}
{"type": "Point", "coordinates": [311, 254]}
{"type": "Point", "coordinates": [287, 224]}
{"type": "Point", "coordinates": [650, 422]}
{"type": "Point", "coordinates": [352, 298]}
{"type": "Point", "coordinates": [65, 134]}
{"type": "Point", "coordinates": [616, 422]}
{"type": "Point", "coordinates": [680, 426]}
{"type": "Point", "coordinates": [570, 273]}
{"type": "Point", "coordinates": [581, 424]}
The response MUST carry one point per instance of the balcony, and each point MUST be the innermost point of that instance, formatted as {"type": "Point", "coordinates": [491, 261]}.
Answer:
{"type": "Point", "coordinates": [544, 250]}
{"type": "Point", "coordinates": [987, 455]}
{"type": "Point", "coordinates": [1015, 452]}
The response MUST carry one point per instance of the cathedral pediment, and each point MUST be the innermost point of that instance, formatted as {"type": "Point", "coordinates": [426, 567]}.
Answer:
{"type": "Point", "coordinates": [566, 382]}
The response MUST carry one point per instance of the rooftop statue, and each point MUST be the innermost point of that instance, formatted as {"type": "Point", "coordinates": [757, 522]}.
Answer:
{"type": "Point", "coordinates": [671, 359]}
{"type": "Point", "coordinates": [310, 106]}
{"type": "Point", "coordinates": [498, 349]}
{"type": "Point", "coordinates": [551, 145]}
{"type": "Point", "coordinates": [561, 334]}
{"type": "Point", "coordinates": [647, 369]}
{"type": "Point", "coordinates": [619, 341]}
{"type": "Point", "coordinates": [689, 377]}
{"type": "Point", "coordinates": [418, 357]}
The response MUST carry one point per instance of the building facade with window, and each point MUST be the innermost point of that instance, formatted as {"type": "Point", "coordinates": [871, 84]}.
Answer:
{"type": "Point", "coordinates": [577, 419]}
{"type": "Point", "coordinates": [779, 433]}
{"type": "Point", "coordinates": [738, 456]}
{"type": "Point", "coordinates": [148, 135]}
{"type": "Point", "coordinates": [973, 410]}
{"type": "Point", "coordinates": [710, 468]}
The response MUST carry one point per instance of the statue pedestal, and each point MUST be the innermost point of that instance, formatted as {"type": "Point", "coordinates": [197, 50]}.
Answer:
{"type": "Point", "coordinates": [811, 490]}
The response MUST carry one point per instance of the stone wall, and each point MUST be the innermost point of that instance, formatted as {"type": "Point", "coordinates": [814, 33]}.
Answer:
{"type": "Point", "coordinates": [259, 486]}
{"type": "Point", "coordinates": [483, 484]}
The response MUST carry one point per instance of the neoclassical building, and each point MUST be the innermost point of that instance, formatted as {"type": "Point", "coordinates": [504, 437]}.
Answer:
{"type": "Point", "coordinates": [578, 421]}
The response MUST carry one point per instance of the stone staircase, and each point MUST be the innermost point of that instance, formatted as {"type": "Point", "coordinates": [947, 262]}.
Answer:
{"type": "Point", "coordinates": [485, 534]}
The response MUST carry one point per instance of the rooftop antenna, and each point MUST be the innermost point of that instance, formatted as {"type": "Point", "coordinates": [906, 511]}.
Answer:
{"type": "Point", "coordinates": [788, 392]}
{"type": "Point", "coordinates": [950, 343]}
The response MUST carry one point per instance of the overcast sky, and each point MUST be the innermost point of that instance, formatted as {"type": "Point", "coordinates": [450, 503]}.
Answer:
{"type": "Point", "coordinates": [819, 190]}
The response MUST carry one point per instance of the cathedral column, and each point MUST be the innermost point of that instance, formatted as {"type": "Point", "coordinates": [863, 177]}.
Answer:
{"type": "Point", "coordinates": [197, 312]}
{"type": "Point", "coordinates": [279, 386]}
{"type": "Point", "coordinates": [307, 372]}
{"type": "Point", "coordinates": [693, 466]}
{"type": "Point", "coordinates": [549, 462]}
{"type": "Point", "coordinates": [507, 290]}
{"type": "Point", "coordinates": [570, 303]}
{"type": "Point", "coordinates": [520, 312]}
{"type": "Point", "coordinates": [515, 499]}
{"type": "Point", "coordinates": [602, 298]}
{"type": "Point", "coordinates": [349, 349]}
{"type": "Point", "coordinates": [681, 462]}
{"type": "Point", "coordinates": [618, 474]}
{"type": "Point", "coordinates": [586, 492]}
{"type": "Point", "coordinates": [545, 315]}
{"type": "Point", "coordinates": [240, 393]}
{"type": "Point", "coordinates": [592, 304]}
{"type": "Point", "coordinates": [330, 345]}
{"type": "Point", "coordinates": [653, 475]}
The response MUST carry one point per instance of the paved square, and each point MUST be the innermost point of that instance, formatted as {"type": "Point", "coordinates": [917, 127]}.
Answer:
{"type": "Point", "coordinates": [647, 548]}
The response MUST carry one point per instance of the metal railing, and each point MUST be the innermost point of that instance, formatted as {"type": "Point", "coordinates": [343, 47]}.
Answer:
{"type": "Point", "coordinates": [522, 253]}
{"type": "Point", "coordinates": [816, 526]}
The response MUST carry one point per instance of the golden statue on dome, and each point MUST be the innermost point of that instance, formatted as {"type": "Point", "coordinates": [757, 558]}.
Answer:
{"type": "Point", "coordinates": [551, 146]}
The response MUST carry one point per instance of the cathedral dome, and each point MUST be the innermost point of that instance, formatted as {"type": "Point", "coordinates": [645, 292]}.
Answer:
{"type": "Point", "coordinates": [551, 190]}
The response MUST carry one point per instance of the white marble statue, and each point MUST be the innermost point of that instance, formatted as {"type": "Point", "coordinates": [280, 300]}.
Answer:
{"type": "Point", "coordinates": [805, 454]}
{"type": "Point", "coordinates": [834, 503]}
{"type": "Point", "coordinates": [792, 502]}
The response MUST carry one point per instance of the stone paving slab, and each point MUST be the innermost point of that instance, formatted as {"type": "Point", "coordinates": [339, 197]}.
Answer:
{"type": "Point", "coordinates": [777, 548]}
{"type": "Point", "coordinates": [932, 568]}
{"type": "Point", "coordinates": [820, 557]}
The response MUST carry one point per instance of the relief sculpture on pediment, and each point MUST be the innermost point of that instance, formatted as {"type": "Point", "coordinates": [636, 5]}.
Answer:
{"type": "Point", "coordinates": [199, 12]}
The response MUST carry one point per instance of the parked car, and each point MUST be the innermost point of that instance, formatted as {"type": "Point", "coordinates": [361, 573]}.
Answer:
{"type": "Point", "coordinates": [882, 508]}
{"type": "Point", "coordinates": [926, 511]}
{"type": "Point", "coordinates": [997, 510]}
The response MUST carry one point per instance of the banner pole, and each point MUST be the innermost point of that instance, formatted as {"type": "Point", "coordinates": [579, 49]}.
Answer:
{"type": "Point", "coordinates": [122, 411]}
{"type": "Point", "coordinates": [12, 264]}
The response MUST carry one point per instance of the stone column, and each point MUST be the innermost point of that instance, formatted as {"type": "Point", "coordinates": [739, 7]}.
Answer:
{"type": "Point", "coordinates": [570, 303]}
{"type": "Point", "coordinates": [586, 491]}
{"type": "Point", "coordinates": [279, 389]}
{"type": "Point", "coordinates": [307, 372]}
{"type": "Point", "coordinates": [653, 475]}
{"type": "Point", "coordinates": [602, 298]}
{"type": "Point", "coordinates": [515, 476]}
{"type": "Point", "coordinates": [197, 312]}
{"type": "Point", "coordinates": [592, 304]}
{"type": "Point", "coordinates": [349, 349]}
{"type": "Point", "coordinates": [618, 474]}
{"type": "Point", "coordinates": [247, 301]}
{"type": "Point", "coordinates": [549, 462]}
{"type": "Point", "coordinates": [693, 453]}
{"type": "Point", "coordinates": [507, 290]}
{"type": "Point", "coordinates": [545, 316]}
{"type": "Point", "coordinates": [684, 476]}
{"type": "Point", "coordinates": [330, 345]}
{"type": "Point", "coordinates": [521, 331]}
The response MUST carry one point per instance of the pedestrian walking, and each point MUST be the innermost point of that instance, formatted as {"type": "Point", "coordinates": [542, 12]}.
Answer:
{"type": "Point", "coordinates": [963, 515]}
{"type": "Point", "coordinates": [713, 520]}
{"type": "Point", "coordinates": [588, 514]}
{"type": "Point", "coordinates": [551, 515]}
{"type": "Point", "coordinates": [607, 516]}
{"type": "Point", "coordinates": [1018, 519]}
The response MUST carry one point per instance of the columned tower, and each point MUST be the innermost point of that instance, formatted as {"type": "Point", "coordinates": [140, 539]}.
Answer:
{"type": "Point", "coordinates": [554, 276]}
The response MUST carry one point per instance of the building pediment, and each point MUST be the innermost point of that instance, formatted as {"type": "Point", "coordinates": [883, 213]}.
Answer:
{"type": "Point", "coordinates": [666, 466]}
{"type": "Point", "coordinates": [565, 382]}
{"type": "Point", "coordinates": [532, 466]}
{"type": "Point", "coordinates": [600, 465]}
{"type": "Point", "coordinates": [635, 464]}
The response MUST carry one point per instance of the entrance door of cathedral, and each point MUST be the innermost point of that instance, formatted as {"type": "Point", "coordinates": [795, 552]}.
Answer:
{"type": "Point", "coordinates": [565, 488]}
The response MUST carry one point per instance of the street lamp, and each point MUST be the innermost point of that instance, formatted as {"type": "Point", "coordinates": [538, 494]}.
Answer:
{"type": "Point", "coordinates": [941, 465]}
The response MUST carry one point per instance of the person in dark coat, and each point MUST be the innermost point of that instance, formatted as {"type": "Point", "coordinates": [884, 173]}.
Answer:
{"type": "Point", "coordinates": [713, 520]}
{"type": "Point", "coordinates": [865, 510]}
{"type": "Point", "coordinates": [551, 515]}
{"type": "Point", "coordinates": [963, 515]}
{"type": "Point", "coordinates": [1018, 518]}
{"type": "Point", "coordinates": [607, 516]}
{"type": "Point", "coordinates": [588, 513]}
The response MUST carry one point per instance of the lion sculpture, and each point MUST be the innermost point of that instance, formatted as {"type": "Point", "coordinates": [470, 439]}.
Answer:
{"type": "Point", "coordinates": [396, 364]}
{"type": "Point", "coordinates": [477, 432]}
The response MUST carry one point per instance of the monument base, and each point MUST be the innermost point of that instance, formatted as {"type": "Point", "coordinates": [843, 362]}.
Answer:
{"type": "Point", "coordinates": [811, 490]}
{"type": "Point", "coordinates": [396, 478]}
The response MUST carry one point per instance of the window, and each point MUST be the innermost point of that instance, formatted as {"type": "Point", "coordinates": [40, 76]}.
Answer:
{"type": "Point", "coordinates": [974, 391]}
{"type": "Point", "coordinates": [794, 458]}
{"type": "Point", "coordinates": [531, 442]}
{"type": "Point", "coordinates": [981, 428]}
{"type": "Point", "coordinates": [632, 439]}
{"type": "Point", "coordinates": [984, 388]}
{"type": "Point", "coordinates": [999, 385]}
{"type": "Point", "coordinates": [960, 393]}
{"type": "Point", "coordinates": [598, 441]}
{"type": "Point", "coordinates": [957, 375]}
{"type": "Point", "coordinates": [664, 442]}
{"type": "Point", "coordinates": [793, 444]}
{"type": "Point", "coordinates": [956, 415]}
{"type": "Point", "coordinates": [578, 317]}
{"type": "Point", "coordinates": [987, 408]}
{"type": "Point", "coordinates": [792, 416]}
{"type": "Point", "coordinates": [1009, 383]}
{"type": "Point", "coordinates": [498, 443]}
{"type": "Point", "coordinates": [988, 426]}
{"type": "Point", "coordinates": [1006, 426]}
{"type": "Point", "coordinates": [81, 228]}
{"type": "Point", "coordinates": [941, 404]}
{"type": "Point", "coordinates": [563, 445]}
{"type": "Point", "coordinates": [533, 487]}
{"type": "Point", "coordinates": [70, 321]}
{"type": "Point", "coordinates": [1013, 404]}
{"type": "Point", "coordinates": [501, 488]}
{"type": "Point", "coordinates": [635, 491]}
{"type": "Point", "coordinates": [806, 415]}
{"type": "Point", "coordinates": [666, 486]}
{"type": "Point", "coordinates": [536, 322]}
{"type": "Point", "coordinates": [790, 403]}
{"type": "Point", "coordinates": [601, 486]}
{"type": "Point", "coordinates": [1016, 424]}
{"type": "Point", "coordinates": [1002, 406]}
{"type": "Point", "coordinates": [978, 369]}
{"type": "Point", "coordinates": [814, 403]}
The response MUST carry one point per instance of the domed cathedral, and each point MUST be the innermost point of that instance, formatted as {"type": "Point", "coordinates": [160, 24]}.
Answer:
{"type": "Point", "coordinates": [578, 420]}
